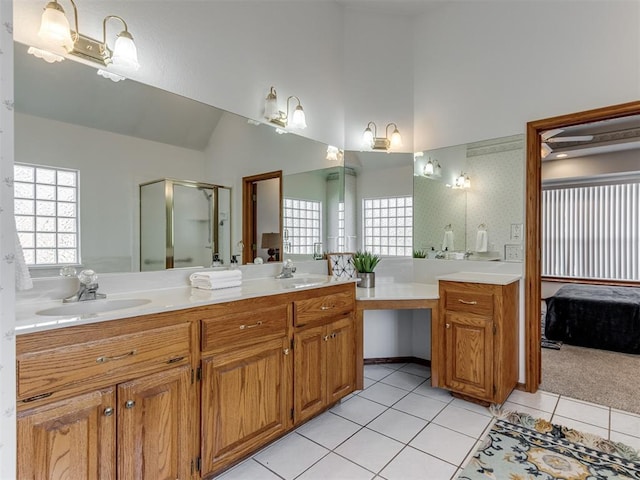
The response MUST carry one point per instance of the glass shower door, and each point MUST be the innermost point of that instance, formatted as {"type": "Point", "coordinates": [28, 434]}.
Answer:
{"type": "Point", "coordinates": [194, 239]}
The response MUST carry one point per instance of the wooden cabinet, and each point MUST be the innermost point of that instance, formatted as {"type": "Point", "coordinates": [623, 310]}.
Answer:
{"type": "Point", "coordinates": [324, 366]}
{"type": "Point", "coordinates": [131, 420]}
{"type": "Point", "coordinates": [479, 323]}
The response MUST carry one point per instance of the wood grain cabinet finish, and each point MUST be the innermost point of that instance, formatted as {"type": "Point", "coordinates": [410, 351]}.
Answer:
{"type": "Point", "coordinates": [479, 325]}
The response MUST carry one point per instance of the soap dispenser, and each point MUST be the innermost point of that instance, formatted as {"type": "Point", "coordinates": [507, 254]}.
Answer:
{"type": "Point", "coordinates": [216, 262]}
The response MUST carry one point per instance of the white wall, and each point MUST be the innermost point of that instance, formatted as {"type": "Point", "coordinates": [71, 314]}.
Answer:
{"type": "Point", "coordinates": [111, 168]}
{"type": "Point", "coordinates": [267, 212]}
{"type": "Point", "coordinates": [484, 68]}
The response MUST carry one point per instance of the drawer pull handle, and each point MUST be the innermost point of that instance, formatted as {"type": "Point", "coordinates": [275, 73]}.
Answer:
{"type": "Point", "coordinates": [466, 302]}
{"type": "Point", "coordinates": [326, 338]}
{"type": "Point", "coordinates": [334, 334]}
{"type": "Point", "coordinates": [448, 325]}
{"type": "Point", "coordinates": [37, 397]}
{"type": "Point", "coordinates": [257, 324]}
{"type": "Point", "coordinates": [108, 412]}
{"type": "Point", "coordinates": [286, 351]}
{"type": "Point", "coordinates": [327, 307]}
{"type": "Point", "coordinates": [116, 357]}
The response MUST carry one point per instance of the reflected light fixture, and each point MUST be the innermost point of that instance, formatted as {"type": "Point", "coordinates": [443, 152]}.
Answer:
{"type": "Point", "coordinates": [462, 181]}
{"type": "Point", "coordinates": [432, 169]}
{"type": "Point", "coordinates": [370, 139]}
{"type": "Point", "coordinates": [277, 116]}
{"type": "Point", "coordinates": [334, 154]}
{"type": "Point", "coordinates": [59, 39]}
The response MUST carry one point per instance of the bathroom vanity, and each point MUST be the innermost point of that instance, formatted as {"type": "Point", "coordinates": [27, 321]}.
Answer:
{"type": "Point", "coordinates": [183, 393]}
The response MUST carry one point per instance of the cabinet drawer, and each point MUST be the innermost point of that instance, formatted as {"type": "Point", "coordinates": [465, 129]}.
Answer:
{"type": "Point", "coordinates": [243, 327]}
{"type": "Point", "coordinates": [322, 308]}
{"type": "Point", "coordinates": [469, 301]}
{"type": "Point", "coordinates": [50, 370]}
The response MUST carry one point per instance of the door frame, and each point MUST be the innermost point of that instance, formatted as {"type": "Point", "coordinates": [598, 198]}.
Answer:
{"type": "Point", "coordinates": [533, 356]}
{"type": "Point", "coordinates": [249, 212]}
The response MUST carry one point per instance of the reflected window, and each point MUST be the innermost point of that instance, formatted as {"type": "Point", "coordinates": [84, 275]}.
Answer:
{"type": "Point", "coordinates": [388, 225]}
{"type": "Point", "coordinates": [302, 225]}
{"type": "Point", "coordinates": [341, 232]}
{"type": "Point", "coordinates": [46, 213]}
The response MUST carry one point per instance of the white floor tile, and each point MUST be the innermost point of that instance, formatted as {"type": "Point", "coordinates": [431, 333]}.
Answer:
{"type": "Point", "coordinates": [397, 425]}
{"type": "Point", "coordinates": [383, 393]}
{"type": "Point", "coordinates": [395, 366]}
{"type": "Point", "coordinates": [514, 407]}
{"type": "Point", "coordinates": [462, 420]}
{"type": "Point", "coordinates": [540, 400]}
{"type": "Point", "coordinates": [359, 410]}
{"type": "Point", "coordinates": [404, 380]}
{"type": "Point", "coordinates": [472, 452]}
{"type": "Point", "coordinates": [580, 426]}
{"type": "Point", "coordinates": [248, 469]}
{"type": "Point", "coordinates": [335, 467]}
{"type": "Point", "coordinates": [445, 444]}
{"type": "Point", "coordinates": [414, 368]}
{"type": "Point", "coordinates": [377, 372]}
{"type": "Point", "coordinates": [368, 382]}
{"type": "Point", "coordinates": [423, 407]}
{"type": "Point", "coordinates": [474, 407]}
{"type": "Point", "coordinates": [329, 430]}
{"type": "Point", "coordinates": [583, 412]}
{"type": "Point", "coordinates": [369, 449]}
{"type": "Point", "coordinates": [425, 389]}
{"type": "Point", "coordinates": [633, 442]}
{"type": "Point", "coordinates": [412, 464]}
{"type": "Point", "coordinates": [291, 455]}
{"type": "Point", "coordinates": [624, 422]}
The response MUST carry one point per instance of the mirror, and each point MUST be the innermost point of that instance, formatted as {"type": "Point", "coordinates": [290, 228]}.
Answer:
{"type": "Point", "coordinates": [485, 220]}
{"type": "Point", "coordinates": [121, 135]}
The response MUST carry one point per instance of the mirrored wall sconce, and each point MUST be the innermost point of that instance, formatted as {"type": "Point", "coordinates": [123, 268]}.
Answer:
{"type": "Point", "coordinates": [334, 154]}
{"type": "Point", "coordinates": [462, 181]}
{"type": "Point", "coordinates": [370, 139]}
{"type": "Point", "coordinates": [432, 169]}
{"type": "Point", "coordinates": [59, 39]}
{"type": "Point", "coordinates": [273, 113]}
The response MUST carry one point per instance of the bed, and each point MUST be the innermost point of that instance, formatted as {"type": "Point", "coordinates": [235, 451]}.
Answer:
{"type": "Point", "coordinates": [595, 316]}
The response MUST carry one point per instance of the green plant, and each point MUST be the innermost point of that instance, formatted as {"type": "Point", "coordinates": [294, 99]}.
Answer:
{"type": "Point", "coordinates": [419, 254]}
{"type": "Point", "coordinates": [365, 262]}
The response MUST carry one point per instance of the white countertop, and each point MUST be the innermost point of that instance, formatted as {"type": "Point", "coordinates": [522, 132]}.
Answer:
{"type": "Point", "coordinates": [479, 277]}
{"type": "Point", "coordinates": [398, 291]}
{"type": "Point", "coordinates": [165, 300]}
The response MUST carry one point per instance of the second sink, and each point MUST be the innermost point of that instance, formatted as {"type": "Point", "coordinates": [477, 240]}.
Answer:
{"type": "Point", "coordinates": [93, 306]}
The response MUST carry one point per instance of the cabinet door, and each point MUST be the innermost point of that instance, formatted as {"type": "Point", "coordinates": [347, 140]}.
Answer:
{"type": "Point", "coordinates": [246, 401]}
{"type": "Point", "coordinates": [340, 359]}
{"type": "Point", "coordinates": [153, 426]}
{"type": "Point", "coordinates": [69, 439]}
{"type": "Point", "coordinates": [469, 354]}
{"type": "Point", "coordinates": [310, 372]}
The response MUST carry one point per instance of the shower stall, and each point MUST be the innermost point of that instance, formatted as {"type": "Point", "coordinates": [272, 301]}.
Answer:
{"type": "Point", "coordinates": [183, 224]}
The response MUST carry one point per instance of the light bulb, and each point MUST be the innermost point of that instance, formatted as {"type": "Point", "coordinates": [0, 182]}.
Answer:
{"type": "Point", "coordinates": [428, 168]}
{"type": "Point", "coordinates": [396, 139]}
{"type": "Point", "coordinates": [367, 138]}
{"type": "Point", "coordinates": [271, 105]}
{"type": "Point", "coordinates": [54, 27]}
{"type": "Point", "coordinates": [125, 54]}
{"type": "Point", "coordinates": [297, 119]}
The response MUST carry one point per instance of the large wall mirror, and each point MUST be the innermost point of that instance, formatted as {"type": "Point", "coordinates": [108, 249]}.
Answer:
{"type": "Point", "coordinates": [469, 200]}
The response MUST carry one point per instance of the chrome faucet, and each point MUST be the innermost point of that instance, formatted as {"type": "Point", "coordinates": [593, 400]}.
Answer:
{"type": "Point", "coordinates": [88, 289]}
{"type": "Point", "coordinates": [287, 269]}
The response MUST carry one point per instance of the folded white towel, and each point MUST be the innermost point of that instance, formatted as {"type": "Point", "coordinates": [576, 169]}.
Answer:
{"type": "Point", "coordinates": [217, 276]}
{"type": "Point", "coordinates": [481, 241]}
{"type": "Point", "coordinates": [447, 242]}
{"type": "Point", "coordinates": [216, 285]}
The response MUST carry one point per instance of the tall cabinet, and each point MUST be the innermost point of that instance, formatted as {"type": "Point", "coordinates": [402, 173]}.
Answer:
{"type": "Point", "coordinates": [479, 326]}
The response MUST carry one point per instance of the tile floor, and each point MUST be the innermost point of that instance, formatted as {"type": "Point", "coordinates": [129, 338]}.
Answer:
{"type": "Point", "coordinates": [400, 428]}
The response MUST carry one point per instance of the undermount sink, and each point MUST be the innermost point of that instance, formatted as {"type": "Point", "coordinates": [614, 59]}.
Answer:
{"type": "Point", "coordinates": [302, 282]}
{"type": "Point", "coordinates": [93, 306]}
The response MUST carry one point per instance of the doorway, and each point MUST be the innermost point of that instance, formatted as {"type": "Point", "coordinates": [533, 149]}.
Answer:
{"type": "Point", "coordinates": [533, 357]}
{"type": "Point", "coordinates": [261, 215]}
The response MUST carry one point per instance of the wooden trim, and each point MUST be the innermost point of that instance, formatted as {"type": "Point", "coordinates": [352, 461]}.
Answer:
{"type": "Point", "coordinates": [591, 281]}
{"type": "Point", "coordinates": [533, 368]}
{"type": "Point", "coordinates": [384, 360]}
{"type": "Point", "coordinates": [248, 213]}
{"type": "Point", "coordinates": [412, 304]}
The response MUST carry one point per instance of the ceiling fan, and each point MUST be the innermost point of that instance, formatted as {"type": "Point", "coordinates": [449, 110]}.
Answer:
{"type": "Point", "coordinates": [550, 137]}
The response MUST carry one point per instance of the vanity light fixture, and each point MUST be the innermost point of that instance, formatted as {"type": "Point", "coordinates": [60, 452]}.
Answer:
{"type": "Point", "coordinates": [462, 181]}
{"type": "Point", "coordinates": [58, 36]}
{"type": "Point", "coordinates": [432, 169]}
{"type": "Point", "coordinates": [370, 139]}
{"type": "Point", "coordinates": [334, 154]}
{"type": "Point", "coordinates": [277, 116]}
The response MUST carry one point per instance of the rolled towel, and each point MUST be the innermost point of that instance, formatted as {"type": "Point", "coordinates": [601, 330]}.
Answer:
{"type": "Point", "coordinates": [481, 241]}
{"type": "Point", "coordinates": [215, 285]}
{"type": "Point", "coordinates": [447, 242]}
{"type": "Point", "coordinates": [217, 276]}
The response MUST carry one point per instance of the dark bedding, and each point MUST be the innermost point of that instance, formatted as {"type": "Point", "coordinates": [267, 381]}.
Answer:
{"type": "Point", "coordinates": [595, 316]}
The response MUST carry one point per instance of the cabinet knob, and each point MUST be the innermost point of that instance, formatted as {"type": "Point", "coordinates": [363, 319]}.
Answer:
{"type": "Point", "coordinates": [130, 404]}
{"type": "Point", "coordinates": [286, 351]}
{"type": "Point", "coordinates": [108, 412]}
{"type": "Point", "coordinates": [325, 338]}
{"type": "Point", "coordinates": [448, 325]}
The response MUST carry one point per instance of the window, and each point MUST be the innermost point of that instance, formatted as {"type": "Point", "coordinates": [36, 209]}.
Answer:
{"type": "Point", "coordinates": [591, 231]}
{"type": "Point", "coordinates": [388, 225]}
{"type": "Point", "coordinates": [341, 230]}
{"type": "Point", "coordinates": [46, 211]}
{"type": "Point", "coordinates": [302, 225]}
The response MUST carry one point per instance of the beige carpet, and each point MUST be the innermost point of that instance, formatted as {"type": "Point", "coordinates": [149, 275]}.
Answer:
{"type": "Point", "coordinates": [597, 376]}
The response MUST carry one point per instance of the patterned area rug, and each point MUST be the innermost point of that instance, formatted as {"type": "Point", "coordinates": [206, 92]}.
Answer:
{"type": "Point", "coordinates": [520, 447]}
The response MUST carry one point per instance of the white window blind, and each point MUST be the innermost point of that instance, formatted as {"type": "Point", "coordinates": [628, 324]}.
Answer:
{"type": "Point", "coordinates": [592, 232]}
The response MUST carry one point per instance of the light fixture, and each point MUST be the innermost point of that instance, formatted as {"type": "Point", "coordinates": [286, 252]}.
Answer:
{"type": "Point", "coordinates": [58, 37]}
{"type": "Point", "coordinates": [462, 181]}
{"type": "Point", "coordinates": [334, 154]}
{"type": "Point", "coordinates": [277, 116]}
{"type": "Point", "coordinates": [562, 155]}
{"type": "Point", "coordinates": [370, 139]}
{"type": "Point", "coordinates": [432, 169]}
